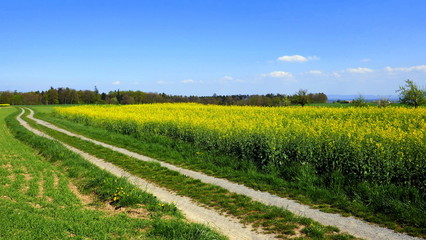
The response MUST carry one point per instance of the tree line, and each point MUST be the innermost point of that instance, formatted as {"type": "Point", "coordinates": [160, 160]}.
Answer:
{"type": "Point", "coordinates": [72, 96]}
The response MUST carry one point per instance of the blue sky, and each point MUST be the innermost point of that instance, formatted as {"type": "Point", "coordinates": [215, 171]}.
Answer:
{"type": "Point", "coordinates": [202, 47]}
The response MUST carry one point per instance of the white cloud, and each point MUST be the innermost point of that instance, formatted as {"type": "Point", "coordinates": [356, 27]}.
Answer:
{"type": "Point", "coordinates": [407, 69]}
{"type": "Point", "coordinates": [365, 60]}
{"type": "Point", "coordinates": [315, 72]}
{"type": "Point", "coordinates": [116, 83]}
{"type": "Point", "coordinates": [336, 75]}
{"type": "Point", "coordinates": [162, 82]}
{"type": "Point", "coordinates": [190, 81]}
{"type": "Point", "coordinates": [279, 74]}
{"type": "Point", "coordinates": [297, 58]}
{"type": "Point", "coordinates": [359, 70]}
{"type": "Point", "coordinates": [389, 69]}
{"type": "Point", "coordinates": [229, 79]}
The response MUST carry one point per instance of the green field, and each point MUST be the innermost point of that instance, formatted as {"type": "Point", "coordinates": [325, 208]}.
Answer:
{"type": "Point", "coordinates": [51, 193]}
{"type": "Point", "coordinates": [304, 186]}
{"type": "Point", "coordinates": [392, 206]}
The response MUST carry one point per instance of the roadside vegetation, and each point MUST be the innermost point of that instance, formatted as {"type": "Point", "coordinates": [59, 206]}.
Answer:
{"type": "Point", "coordinates": [400, 207]}
{"type": "Point", "coordinates": [51, 193]}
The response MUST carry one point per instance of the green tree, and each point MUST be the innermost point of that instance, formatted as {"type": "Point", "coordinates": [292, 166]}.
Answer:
{"type": "Point", "coordinates": [383, 102]}
{"type": "Point", "coordinates": [285, 101]}
{"type": "Point", "coordinates": [411, 94]}
{"type": "Point", "coordinates": [301, 97]}
{"type": "Point", "coordinates": [317, 98]}
{"type": "Point", "coordinates": [52, 96]}
{"type": "Point", "coordinates": [359, 101]}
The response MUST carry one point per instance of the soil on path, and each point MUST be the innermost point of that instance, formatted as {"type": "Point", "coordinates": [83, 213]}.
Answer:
{"type": "Point", "coordinates": [349, 225]}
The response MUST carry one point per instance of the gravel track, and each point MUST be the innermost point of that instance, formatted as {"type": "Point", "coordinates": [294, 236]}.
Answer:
{"type": "Point", "coordinates": [349, 225]}
{"type": "Point", "coordinates": [230, 227]}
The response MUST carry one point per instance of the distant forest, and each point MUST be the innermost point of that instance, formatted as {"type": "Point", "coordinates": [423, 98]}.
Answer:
{"type": "Point", "coordinates": [72, 96]}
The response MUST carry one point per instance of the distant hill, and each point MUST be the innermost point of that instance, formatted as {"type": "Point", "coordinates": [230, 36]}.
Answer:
{"type": "Point", "coordinates": [332, 98]}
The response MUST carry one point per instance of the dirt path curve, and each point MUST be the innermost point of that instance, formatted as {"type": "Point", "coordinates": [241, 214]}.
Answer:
{"type": "Point", "coordinates": [349, 225]}
{"type": "Point", "coordinates": [228, 226]}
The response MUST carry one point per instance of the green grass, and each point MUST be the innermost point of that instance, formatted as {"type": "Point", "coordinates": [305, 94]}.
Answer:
{"type": "Point", "coordinates": [385, 205]}
{"type": "Point", "coordinates": [270, 219]}
{"type": "Point", "coordinates": [37, 201]}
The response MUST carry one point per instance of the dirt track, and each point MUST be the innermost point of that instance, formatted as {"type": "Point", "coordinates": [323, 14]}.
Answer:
{"type": "Point", "coordinates": [349, 225]}
{"type": "Point", "coordinates": [226, 225]}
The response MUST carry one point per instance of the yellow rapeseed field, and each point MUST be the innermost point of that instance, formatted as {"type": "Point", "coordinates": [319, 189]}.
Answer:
{"type": "Point", "coordinates": [376, 144]}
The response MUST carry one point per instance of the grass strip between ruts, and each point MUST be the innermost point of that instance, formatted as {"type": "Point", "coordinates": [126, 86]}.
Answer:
{"type": "Point", "coordinates": [164, 221]}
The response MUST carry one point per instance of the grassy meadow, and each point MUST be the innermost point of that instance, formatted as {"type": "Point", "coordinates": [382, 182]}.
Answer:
{"type": "Point", "coordinates": [48, 192]}
{"type": "Point", "coordinates": [368, 162]}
